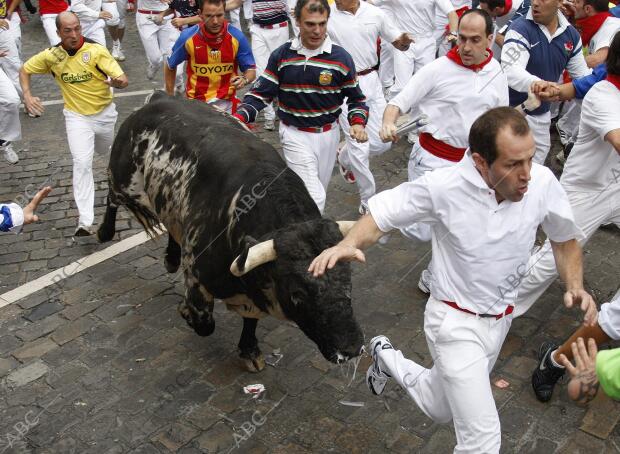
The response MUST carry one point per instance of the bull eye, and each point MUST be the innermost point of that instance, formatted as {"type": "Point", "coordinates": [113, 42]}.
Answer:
{"type": "Point", "coordinates": [297, 297]}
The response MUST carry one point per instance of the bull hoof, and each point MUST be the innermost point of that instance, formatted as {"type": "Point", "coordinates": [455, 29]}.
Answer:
{"type": "Point", "coordinates": [255, 364]}
{"type": "Point", "coordinates": [105, 234]}
{"type": "Point", "coordinates": [171, 264]}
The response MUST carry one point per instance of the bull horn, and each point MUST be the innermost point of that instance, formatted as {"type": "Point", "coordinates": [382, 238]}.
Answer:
{"type": "Point", "coordinates": [257, 255]}
{"type": "Point", "coordinates": [345, 226]}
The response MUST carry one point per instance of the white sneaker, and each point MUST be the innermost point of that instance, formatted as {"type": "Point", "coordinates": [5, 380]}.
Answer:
{"type": "Point", "coordinates": [9, 153]}
{"type": "Point", "coordinates": [114, 51]}
{"type": "Point", "coordinates": [376, 379]}
{"type": "Point", "coordinates": [120, 54]}
{"type": "Point", "coordinates": [424, 283]}
{"type": "Point", "coordinates": [363, 209]}
{"type": "Point", "coordinates": [269, 125]}
{"type": "Point", "coordinates": [82, 230]}
{"type": "Point", "coordinates": [151, 70]}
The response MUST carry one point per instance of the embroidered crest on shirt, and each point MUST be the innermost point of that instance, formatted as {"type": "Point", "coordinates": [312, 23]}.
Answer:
{"type": "Point", "coordinates": [86, 57]}
{"type": "Point", "coordinates": [325, 77]}
{"type": "Point", "coordinates": [568, 47]}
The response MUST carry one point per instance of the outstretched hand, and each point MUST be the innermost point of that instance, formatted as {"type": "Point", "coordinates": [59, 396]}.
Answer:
{"type": "Point", "coordinates": [29, 216]}
{"type": "Point", "coordinates": [583, 384]}
{"type": "Point", "coordinates": [585, 301]}
{"type": "Point", "coordinates": [329, 257]}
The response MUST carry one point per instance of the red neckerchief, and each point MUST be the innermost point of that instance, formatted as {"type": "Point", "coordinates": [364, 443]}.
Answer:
{"type": "Point", "coordinates": [456, 58]}
{"type": "Point", "coordinates": [588, 26]}
{"type": "Point", "coordinates": [614, 79]}
{"type": "Point", "coordinates": [214, 41]}
{"type": "Point", "coordinates": [507, 7]}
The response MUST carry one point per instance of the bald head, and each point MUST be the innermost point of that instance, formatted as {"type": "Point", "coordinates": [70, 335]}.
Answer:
{"type": "Point", "coordinates": [66, 17]}
{"type": "Point", "coordinates": [70, 31]}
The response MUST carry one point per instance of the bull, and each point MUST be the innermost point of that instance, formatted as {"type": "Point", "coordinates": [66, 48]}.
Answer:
{"type": "Point", "coordinates": [240, 223]}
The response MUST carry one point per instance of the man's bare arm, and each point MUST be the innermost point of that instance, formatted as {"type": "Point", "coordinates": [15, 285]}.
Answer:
{"type": "Point", "coordinates": [363, 234]}
{"type": "Point", "coordinates": [569, 262]}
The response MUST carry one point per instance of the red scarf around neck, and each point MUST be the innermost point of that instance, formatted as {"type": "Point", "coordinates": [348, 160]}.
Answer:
{"type": "Point", "coordinates": [214, 41]}
{"type": "Point", "coordinates": [507, 7]}
{"type": "Point", "coordinates": [588, 26]}
{"type": "Point", "coordinates": [612, 78]}
{"type": "Point", "coordinates": [456, 58]}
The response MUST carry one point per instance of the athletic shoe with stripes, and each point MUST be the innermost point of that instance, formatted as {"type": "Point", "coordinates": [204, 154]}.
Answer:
{"type": "Point", "coordinates": [376, 379]}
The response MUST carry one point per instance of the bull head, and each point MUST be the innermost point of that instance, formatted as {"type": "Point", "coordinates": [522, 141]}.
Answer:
{"type": "Point", "coordinates": [265, 252]}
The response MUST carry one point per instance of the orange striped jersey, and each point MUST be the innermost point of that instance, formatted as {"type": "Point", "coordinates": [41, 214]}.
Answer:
{"type": "Point", "coordinates": [212, 60]}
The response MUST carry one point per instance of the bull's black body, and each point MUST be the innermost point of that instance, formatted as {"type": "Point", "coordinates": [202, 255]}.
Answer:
{"type": "Point", "coordinates": [218, 189]}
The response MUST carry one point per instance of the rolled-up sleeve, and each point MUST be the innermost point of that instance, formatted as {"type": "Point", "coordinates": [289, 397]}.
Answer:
{"type": "Point", "coordinates": [11, 218]}
{"type": "Point", "coordinates": [403, 205]}
{"type": "Point", "coordinates": [559, 222]}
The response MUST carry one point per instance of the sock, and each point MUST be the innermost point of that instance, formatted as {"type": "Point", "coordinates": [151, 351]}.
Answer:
{"type": "Point", "coordinates": [553, 362]}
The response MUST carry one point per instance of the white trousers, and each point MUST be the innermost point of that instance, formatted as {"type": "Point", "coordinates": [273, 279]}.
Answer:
{"type": "Point", "coordinates": [609, 317]}
{"type": "Point", "coordinates": [591, 209]}
{"type": "Point", "coordinates": [464, 348]}
{"type": "Point", "coordinates": [49, 25]}
{"type": "Point", "coordinates": [420, 162]}
{"type": "Point", "coordinates": [264, 42]}
{"type": "Point", "coordinates": [355, 156]}
{"type": "Point", "coordinates": [409, 62]}
{"type": "Point", "coordinates": [87, 134]}
{"type": "Point", "coordinates": [94, 30]}
{"type": "Point", "coordinates": [312, 157]}
{"type": "Point", "coordinates": [121, 7]}
{"type": "Point", "coordinates": [111, 7]}
{"type": "Point", "coordinates": [10, 63]}
{"type": "Point", "coordinates": [569, 121]}
{"type": "Point", "coordinates": [10, 127]}
{"type": "Point", "coordinates": [235, 18]}
{"type": "Point", "coordinates": [156, 39]}
{"type": "Point", "coordinates": [539, 124]}
{"type": "Point", "coordinates": [15, 27]}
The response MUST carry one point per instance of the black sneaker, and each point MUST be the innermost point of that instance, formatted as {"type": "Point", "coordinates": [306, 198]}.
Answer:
{"type": "Point", "coordinates": [546, 375]}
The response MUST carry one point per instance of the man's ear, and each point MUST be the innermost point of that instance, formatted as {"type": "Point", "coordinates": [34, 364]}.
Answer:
{"type": "Point", "coordinates": [481, 163]}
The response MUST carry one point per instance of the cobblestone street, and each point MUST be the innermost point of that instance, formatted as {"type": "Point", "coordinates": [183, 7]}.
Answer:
{"type": "Point", "coordinates": [101, 361]}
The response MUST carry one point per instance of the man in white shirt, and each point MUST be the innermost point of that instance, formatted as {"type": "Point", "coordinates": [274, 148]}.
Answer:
{"type": "Point", "coordinates": [484, 213]}
{"type": "Point", "coordinates": [416, 17]}
{"type": "Point", "coordinates": [537, 49]}
{"type": "Point", "coordinates": [465, 83]}
{"type": "Point", "coordinates": [357, 25]}
{"type": "Point", "coordinates": [157, 36]}
{"type": "Point", "coordinates": [591, 178]}
{"type": "Point", "coordinates": [501, 11]}
{"type": "Point", "coordinates": [597, 28]}
{"type": "Point", "coordinates": [94, 15]}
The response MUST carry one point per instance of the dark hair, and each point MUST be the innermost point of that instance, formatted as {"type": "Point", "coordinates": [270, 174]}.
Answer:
{"type": "Point", "coordinates": [61, 15]}
{"type": "Point", "coordinates": [492, 4]}
{"type": "Point", "coordinates": [483, 133]}
{"type": "Point", "coordinates": [600, 6]}
{"type": "Point", "coordinates": [201, 3]}
{"type": "Point", "coordinates": [613, 56]}
{"type": "Point", "coordinates": [488, 22]}
{"type": "Point", "coordinates": [314, 6]}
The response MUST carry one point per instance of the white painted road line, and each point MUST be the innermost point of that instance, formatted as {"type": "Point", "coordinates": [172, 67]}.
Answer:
{"type": "Point", "coordinates": [122, 94]}
{"type": "Point", "coordinates": [73, 268]}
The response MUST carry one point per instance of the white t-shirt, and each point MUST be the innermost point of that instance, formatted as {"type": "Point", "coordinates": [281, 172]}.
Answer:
{"type": "Point", "coordinates": [358, 33]}
{"type": "Point", "coordinates": [151, 5]}
{"type": "Point", "coordinates": [477, 243]}
{"type": "Point", "coordinates": [416, 16]}
{"type": "Point", "coordinates": [604, 35]}
{"type": "Point", "coordinates": [594, 165]}
{"type": "Point", "coordinates": [453, 96]}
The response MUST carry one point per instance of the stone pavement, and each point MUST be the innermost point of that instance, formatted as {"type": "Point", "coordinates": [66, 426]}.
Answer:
{"type": "Point", "coordinates": [102, 363]}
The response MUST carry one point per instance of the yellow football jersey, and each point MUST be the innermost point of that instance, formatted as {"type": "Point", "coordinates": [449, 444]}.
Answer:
{"type": "Point", "coordinates": [80, 76]}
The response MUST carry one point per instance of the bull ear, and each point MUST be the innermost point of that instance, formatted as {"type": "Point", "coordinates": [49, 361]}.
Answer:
{"type": "Point", "coordinates": [253, 256]}
{"type": "Point", "coordinates": [345, 226]}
